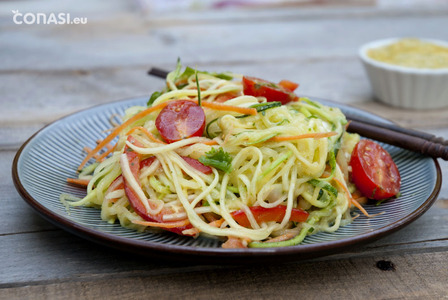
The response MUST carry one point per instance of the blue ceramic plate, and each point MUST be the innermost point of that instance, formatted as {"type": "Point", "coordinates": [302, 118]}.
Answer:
{"type": "Point", "coordinates": [44, 162]}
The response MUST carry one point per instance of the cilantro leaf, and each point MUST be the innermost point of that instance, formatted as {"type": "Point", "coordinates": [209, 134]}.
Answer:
{"type": "Point", "coordinates": [218, 159]}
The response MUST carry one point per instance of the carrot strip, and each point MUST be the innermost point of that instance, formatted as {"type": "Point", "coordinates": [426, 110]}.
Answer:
{"type": "Point", "coordinates": [234, 242]}
{"type": "Point", "coordinates": [210, 217]}
{"type": "Point", "coordinates": [353, 201]}
{"type": "Point", "coordinates": [359, 206]}
{"type": "Point", "coordinates": [281, 238]}
{"type": "Point", "coordinates": [348, 124]}
{"type": "Point", "coordinates": [238, 109]}
{"type": "Point", "coordinates": [314, 135]}
{"type": "Point", "coordinates": [210, 143]}
{"type": "Point", "coordinates": [361, 200]}
{"type": "Point", "coordinates": [118, 129]}
{"type": "Point", "coordinates": [147, 132]}
{"type": "Point", "coordinates": [163, 225]}
{"type": "Point", "coordinates": [106, 153]}
{"type": "Point", "coordinates": [191, 232]}
{"type": "Point", "coordinates": [88, 150]}
{"type": "Point", "coordinates": [217, 223]}
{"type": "Point", "coordinates": [80, 182]}
{"type": "Point", "coordinates": [108, 146]}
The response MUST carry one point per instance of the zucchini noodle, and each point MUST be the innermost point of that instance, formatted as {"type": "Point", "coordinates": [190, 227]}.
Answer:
{"type": "Point", "coordinates": [270, 161]}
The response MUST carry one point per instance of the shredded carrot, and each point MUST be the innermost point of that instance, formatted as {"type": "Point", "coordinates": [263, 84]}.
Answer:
{"type": "Point", "coordinates": [217, 223]}
{"type": "Point", "coordinates": [88, 150]}
{"type": "Point", "coordinates": [281, 238]}
{"type": "Point", "coordinates": [106, 153]}
{"type": "Point", "coordinates": [163, 225]}
{"type": "Point", "coordinates": [210, 143]}
{"type": "Point", "coordinates": [359, 206]}
{"type": "Point", "coordinates": [80, 182]}
{"type": "Point", "coordinates": [108, 146]}
{"type": "Point", "coordinates": [353, 201]}
{"type": "Point", "coordinates": [314, 135]}
{"type": "Point", "coordinates": [356, 194]}
{"type": "Point", "coordinates": [118, 129]}
{"type": "Point", "coordinates": [234, 242]}
{"type": "Point", "coordinates": [356, 217]}
{"type": "Point", "coordinates": [348, 124]}
{"type": "Point", "coordinates": [225, 107]}
{"type": "Point", "coordinates": [147, 132]}
{"type": "Point", "coordinates": [361, 200]}
{"type": "Point", "coordinates": [210, 217]}
{"type": "Point", "coordinates": [191, 232]}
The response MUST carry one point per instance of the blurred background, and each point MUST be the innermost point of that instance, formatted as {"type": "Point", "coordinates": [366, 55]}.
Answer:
{"type": "Point", "coordinates": [51, 70]}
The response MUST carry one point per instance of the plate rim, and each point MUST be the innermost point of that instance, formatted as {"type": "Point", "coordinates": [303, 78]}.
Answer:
{"type": "Point", "coordinates": [210, 255]}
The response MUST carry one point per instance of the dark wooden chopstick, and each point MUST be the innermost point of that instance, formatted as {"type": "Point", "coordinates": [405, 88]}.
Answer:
{"type": "Point", "coordinates": [400, 139]}
{"type": "Point", "coordinates": [417, 141]}
{"type": "Point", "coordinates": [396, 128]}
{"type": "Point", "coordinates": [158, 72]}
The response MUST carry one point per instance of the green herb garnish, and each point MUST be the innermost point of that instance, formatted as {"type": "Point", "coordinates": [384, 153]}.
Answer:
{"type": "Point", "coordinates": [218, 159]}
{"type": "Point", "coordinates": [198, 88]}
{"type": "Point", "coordinates": [153, 98]}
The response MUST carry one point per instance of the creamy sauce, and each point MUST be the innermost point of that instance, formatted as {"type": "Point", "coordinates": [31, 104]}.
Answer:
{"type": "Point", "coordinates": [412, 53]}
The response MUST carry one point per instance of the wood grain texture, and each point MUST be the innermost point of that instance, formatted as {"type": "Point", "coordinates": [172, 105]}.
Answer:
{"type": "Point", "coordinates": [415, 276]}
{"type": "Point", "coordinates": [47, 72]}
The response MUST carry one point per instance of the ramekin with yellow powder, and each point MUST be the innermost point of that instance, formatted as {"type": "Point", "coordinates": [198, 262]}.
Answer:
{"type": "Point", "coordinates": [408, 73]}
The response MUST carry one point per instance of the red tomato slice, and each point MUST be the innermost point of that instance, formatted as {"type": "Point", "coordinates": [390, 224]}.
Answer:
{"type": "Point", "coordinates": [198, 165]}
{"type": "Point", "coordinates": [373, 171]}
{"type": "Point", "coordinates": [179, 120]}
{"type": "Point", "coordinates": [272, 92]}
{"type": "Point", "coordinates": [263, 214]}
{"type": "Point", "coordinates": [135, 164]}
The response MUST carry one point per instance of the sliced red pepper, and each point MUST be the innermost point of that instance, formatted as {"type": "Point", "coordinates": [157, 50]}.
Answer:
{"type": "Point", "coordinates": [289, 85]}
{"type": "Point", "coordinates": [262, 214]}
{"type": "Point", "coordinates": [135, 164]}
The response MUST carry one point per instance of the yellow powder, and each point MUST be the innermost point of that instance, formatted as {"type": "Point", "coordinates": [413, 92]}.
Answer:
{"type": "Point", "coordinates": [412, 53]}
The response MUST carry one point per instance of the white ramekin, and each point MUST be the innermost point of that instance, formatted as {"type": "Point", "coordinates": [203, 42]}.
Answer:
{"type": "Point", "coordinates": [403, 86]}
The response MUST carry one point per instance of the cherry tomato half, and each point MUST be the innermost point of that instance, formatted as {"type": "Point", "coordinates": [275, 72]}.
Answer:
{"type": "Point", "coordinates": [373, 171]}
{"type": "Point", "coordinates": [179, 120]}
{"type": "Point", "coordinates": [272, 92]}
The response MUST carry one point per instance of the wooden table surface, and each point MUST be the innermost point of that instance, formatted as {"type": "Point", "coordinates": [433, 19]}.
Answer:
{"type": "Point", "coordinates": [49, 71]}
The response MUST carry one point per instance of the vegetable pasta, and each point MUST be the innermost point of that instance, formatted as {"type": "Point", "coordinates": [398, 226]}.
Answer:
{"type": "Point", "coordinates": [228, 156]}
